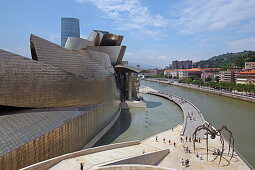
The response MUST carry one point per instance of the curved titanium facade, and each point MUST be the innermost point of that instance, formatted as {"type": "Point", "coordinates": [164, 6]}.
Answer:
{"type": "Point", "coordinates": [74, 43]}
{"type": "Point", "coordinates": [67, 60]}
{"type": "Point", "coordinates": [28, 83]}
{"type": "Point", "coordinates": [104, 38]}
{"type": "Point", "coordinates": [101, 58]}
{"type": "Point", "coordinates": [115, 53]}
{"type": "Point", "coordinates": [70, 27]}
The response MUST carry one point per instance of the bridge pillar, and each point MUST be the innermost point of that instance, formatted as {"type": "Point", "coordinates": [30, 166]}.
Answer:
{"type": "Point", "coordinates": [129, 85]}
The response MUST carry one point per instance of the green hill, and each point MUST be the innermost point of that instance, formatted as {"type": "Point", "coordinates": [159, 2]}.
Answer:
{"type": "Point", "coordinates": [228, 60]}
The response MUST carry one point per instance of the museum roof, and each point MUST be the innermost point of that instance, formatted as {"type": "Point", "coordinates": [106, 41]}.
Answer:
{"type": "Point", "coordinates": [19, 127]}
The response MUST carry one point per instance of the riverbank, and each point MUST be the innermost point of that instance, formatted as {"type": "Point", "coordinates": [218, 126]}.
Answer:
{"type": "Point", "coordinates": [206, 89]}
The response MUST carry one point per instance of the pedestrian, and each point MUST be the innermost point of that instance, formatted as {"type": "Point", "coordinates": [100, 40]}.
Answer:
{"type": "Point", "coordinates": [186, 138]}
{"type": "Point", "coordinates": [187, 162]}
{"type": "Point", "coordinates": [164, 140]}
{"type": "Point", "coordinates": [198, 140]}
{"type": "Point", "coordinates": [174, 144]}
{"type": "Point", "coordinates": [197, 155]}
{"type": "Point", "coordinates": [81, 166]}
{"type": "Point", "coordinates": [156, 138]}
{"type": "Point", "coordinates": [190, 139]}
{"type": "Point", "coordinates": [182, 162]}
{"type": "Point", "coordinates": [169, 141]}
{"type": "Point", "coordinates": [181, 139]}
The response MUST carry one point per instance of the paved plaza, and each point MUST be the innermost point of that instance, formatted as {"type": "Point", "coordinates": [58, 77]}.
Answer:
{"type": "Point", "coordinates": [172, 160]}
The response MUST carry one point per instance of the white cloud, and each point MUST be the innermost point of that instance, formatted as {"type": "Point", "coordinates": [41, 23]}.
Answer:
{"type": "Point", "coordinates": [23, 51]}
{"type": "Point", "coordinates": [128, 14]}
{"type": "Point", "coordinates": [242, 44]}
{"type": "Point", "coordinates": [194, 16]}
{"type": "Point", "coordinates": [54, 37]}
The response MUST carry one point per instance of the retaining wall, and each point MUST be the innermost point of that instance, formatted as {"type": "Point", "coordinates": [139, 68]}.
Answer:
{"type": "Point", "coordinates": [51, 162]}
{"type": "Point", "coordinates": [152, 158]}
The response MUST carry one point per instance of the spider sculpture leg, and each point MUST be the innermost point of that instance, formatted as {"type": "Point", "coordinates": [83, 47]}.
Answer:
{"type": "Point", "coordinates": [231, 140]}
{"type": "Point", "coordinates": [233, 148]}
{"type": "Point", "coordinates": [207, 145]}
{"type": "Point", "coordinates": [194, 141]}
{"type": "Point", "coordinates": [222, 149]}
{"type": "Point", "coordinates": [207, 128]}
{"type": "Point", "coordinates": [195, 135]}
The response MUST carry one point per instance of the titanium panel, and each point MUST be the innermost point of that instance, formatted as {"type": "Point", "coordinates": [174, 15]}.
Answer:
{"type": "Point", "coordinates": [29, 83]}
{"type": "Point", "coordinates": [101, 58]}
{"type": "Point", "coordinates": [115, 53]}
{"type": "Point", "coordinates": [120, 68]}
{"type": "Point", "coordinates": [67, 60]}
{"type": "Point", "coordinates": [104, 38]}
{"type": "Point", "coordinates": [75, 43]}
{"type": "Point", "coordinates": [94, 36]}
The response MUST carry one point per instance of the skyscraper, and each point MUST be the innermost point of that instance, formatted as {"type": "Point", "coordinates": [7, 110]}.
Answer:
{"type": "Point", "coordinates": [70, 27]}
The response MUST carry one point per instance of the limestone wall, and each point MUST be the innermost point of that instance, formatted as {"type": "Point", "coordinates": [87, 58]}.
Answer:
{"type": "Point", "coordinates": [71, 136]}
{"type": "Point", "coordinates": [152, 158]}
{"type": "Point", "coordinates": [51, 162]}
{"type": "Point", "coordinates": [132, 167]}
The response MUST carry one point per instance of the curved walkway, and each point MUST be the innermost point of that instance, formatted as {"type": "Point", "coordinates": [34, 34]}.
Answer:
{"type": "Point", "coordinates": [192, 115]}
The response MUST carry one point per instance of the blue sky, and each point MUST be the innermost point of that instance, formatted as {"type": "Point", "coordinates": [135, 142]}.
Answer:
{"type": "Point", "coordinates": [156, 31]}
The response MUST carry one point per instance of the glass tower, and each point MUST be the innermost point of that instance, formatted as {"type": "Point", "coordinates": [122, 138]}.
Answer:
{"type": "Point", "coordinates": [70, 27]}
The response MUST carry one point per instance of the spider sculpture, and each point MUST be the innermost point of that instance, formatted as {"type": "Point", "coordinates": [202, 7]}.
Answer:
{"type": "Point", "coordinates": [213, 133]}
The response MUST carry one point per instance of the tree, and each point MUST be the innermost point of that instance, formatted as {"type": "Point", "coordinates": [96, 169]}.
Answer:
{"type": "Point", "coordinates": [217, 78]}
{"type": "Point", "coordinates": [208, 79]}
{"type": "Point", "coordinates": [193, 77]}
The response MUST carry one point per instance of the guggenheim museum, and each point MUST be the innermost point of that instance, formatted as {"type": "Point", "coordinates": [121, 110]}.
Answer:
{"type": "Point", "coordinates": [63, 99]}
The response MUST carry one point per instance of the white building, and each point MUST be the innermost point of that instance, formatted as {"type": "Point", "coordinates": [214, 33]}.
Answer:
{"type": "Point", "coordinates": [249, 65]}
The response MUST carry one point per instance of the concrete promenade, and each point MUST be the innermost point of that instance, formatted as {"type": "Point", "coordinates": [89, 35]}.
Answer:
{"type": "Point", "coordinates": [192, 115]}
{"type": "Point", "coordinates": [209, 90]}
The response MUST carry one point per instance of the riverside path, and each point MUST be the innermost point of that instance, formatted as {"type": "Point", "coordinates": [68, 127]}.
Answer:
{"type": "Point", "coordinates": [192, 115]}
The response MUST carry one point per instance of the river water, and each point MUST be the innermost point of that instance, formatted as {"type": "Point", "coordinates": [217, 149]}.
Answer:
{"type": "Point", "coordinates": [140, 123]}
{"type": "Point", "coordinates": [237, 115]}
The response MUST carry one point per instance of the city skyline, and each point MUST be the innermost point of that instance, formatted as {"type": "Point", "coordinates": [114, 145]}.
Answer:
{"type": "Point", "coordinates": [158, 32]}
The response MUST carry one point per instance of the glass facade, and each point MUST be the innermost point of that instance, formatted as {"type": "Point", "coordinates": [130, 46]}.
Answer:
{"type": "Point", "coordinates": [70, 27]}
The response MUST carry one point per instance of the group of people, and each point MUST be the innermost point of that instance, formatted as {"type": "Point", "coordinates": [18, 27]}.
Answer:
{"type": "Point", "coordinates": [197, 155]}
{"type": "Point", "coordinates": [181, 101]}
{"type": "Point", "coordinates": [182, 140]}
{"type": "Point", "coordinates": [191, 117]}
{"type": "Point", "coordinates": [187, 149]}
{"type": "Point", "coordinates": [164, 140]}
{"type": "Point", "coordinates": [185, 162]}
{"type": "Point", "coordinates": [216, 152]}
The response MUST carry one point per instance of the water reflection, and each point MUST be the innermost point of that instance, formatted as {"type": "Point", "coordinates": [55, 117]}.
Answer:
{"type": "Point", "coordinates": [120, 126]}
{"type": "Point", "coordinates": [151, 104]}
{"type": "Point", "coordinates": [140, 123]}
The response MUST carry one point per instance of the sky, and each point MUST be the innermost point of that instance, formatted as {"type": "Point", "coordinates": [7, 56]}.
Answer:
{"type": "Point", "coordinates": [156, 32]}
